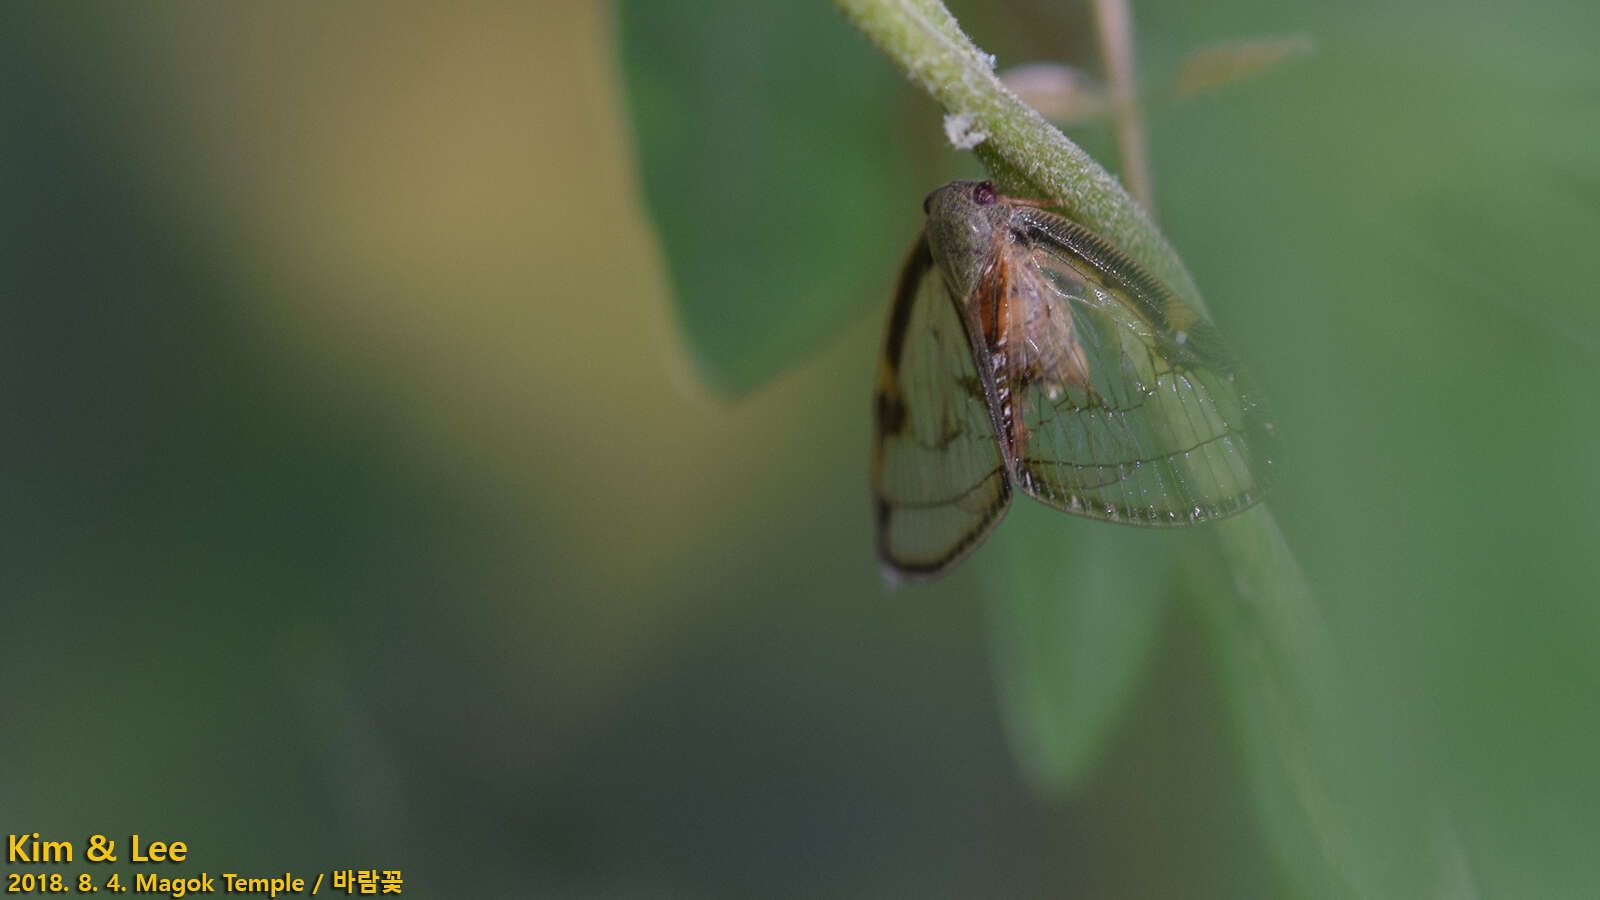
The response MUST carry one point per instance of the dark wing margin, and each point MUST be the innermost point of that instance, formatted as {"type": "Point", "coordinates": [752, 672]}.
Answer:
{"type": "Point", "coordinates": [1167, 430]}
{"type": "Point", "coordinates": [938, 481]}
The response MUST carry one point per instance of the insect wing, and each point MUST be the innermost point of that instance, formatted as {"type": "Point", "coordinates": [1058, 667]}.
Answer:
{"type": "Point", "coordinates": [938, 480]}
{"type": "Point", "coordinates": [1132, 410]}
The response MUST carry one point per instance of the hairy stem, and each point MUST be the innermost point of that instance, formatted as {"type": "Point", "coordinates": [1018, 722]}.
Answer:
{"type": "Point", "coordinates": [1026, 154]}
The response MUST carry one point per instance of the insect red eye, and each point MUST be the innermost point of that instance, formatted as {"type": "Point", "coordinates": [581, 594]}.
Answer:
{"type": "Point", "coordinates": [983, 193]}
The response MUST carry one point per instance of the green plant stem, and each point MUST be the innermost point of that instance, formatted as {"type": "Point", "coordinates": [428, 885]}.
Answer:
{"type": "Point", "coordinates": [1026, 154]}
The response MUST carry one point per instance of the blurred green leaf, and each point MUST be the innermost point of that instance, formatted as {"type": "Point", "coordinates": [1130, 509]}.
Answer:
{"type": "Point", "coordinates": [1281, 683]}
{"type": "Point", "coordinates": [1336, 785]}
{"type": "Point", "coordinates": [1075, 607]}
{"type": "Point", "coordinates": [778, 169]}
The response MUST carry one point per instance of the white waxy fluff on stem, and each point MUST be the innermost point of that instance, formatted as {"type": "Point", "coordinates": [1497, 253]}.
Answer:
{"type": "Point", "coordinates": [963, 133]}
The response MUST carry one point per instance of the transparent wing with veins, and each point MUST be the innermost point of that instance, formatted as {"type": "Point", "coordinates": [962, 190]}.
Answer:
{"type": "Point", "coordinates": [1124, 403]}
{"type": "Point", "coordinates": [938, 479]}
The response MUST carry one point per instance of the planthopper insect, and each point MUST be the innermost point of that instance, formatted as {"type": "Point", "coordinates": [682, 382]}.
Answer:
{"type": "Point", "coordinates": [1024, 351]}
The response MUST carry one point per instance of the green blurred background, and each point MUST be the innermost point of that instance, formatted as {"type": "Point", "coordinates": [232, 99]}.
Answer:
{"type": "Point", "coordinates": [372, 503]}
